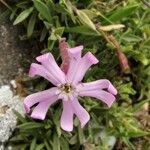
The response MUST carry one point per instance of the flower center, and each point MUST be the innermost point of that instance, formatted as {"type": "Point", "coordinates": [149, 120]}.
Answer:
{"type": "Point", "coordinates": [66, 88]}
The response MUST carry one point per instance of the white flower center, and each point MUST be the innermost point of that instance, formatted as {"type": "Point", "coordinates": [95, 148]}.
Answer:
{"type": "Point", "coordinates": [66, 91]}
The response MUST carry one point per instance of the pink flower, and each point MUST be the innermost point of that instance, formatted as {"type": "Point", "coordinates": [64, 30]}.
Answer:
{"type": "Point", "coordinates": [67, 87]}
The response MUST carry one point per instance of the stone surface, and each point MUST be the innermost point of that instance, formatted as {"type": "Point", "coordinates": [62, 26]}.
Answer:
{"type": "Point", "coordinates": [8, 103]}
{"type": "Point", "coordinates": [15, 57]}
{"type": "Point", "coordinates": [15, 54]}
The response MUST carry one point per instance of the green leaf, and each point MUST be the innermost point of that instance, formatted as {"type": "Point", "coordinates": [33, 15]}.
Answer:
{"type": "Point", "coordinates": [47, 25]}
{"type": "Point", "coordinates": [139, 133]}
{"type": "Point", "coordinates": [69, 9]}
{"type": "Point", "coordinates": [30, 125]}
{"type": "Point", "coordinates": [39, 147]}
{"type": "Point", "coordinates": [137, 106]}
{"type": "Point", "coordinates": [56, 142]}
{"type": "Point", "coordinates": [85, 20]}
{"type": "Point", "coordinates": [74, 139]}
{"type": "Point", "coordinates": [47, 145]}
{"type": "Point", "coordinates": [128, 143]}
{"type": "Point", "coordinates": [91, 14]}
{"type": "Point", "coordinates": [16, 138]}
{"type": "Point", "coordinates": [43, 10]}
{"type": "Point", "coordinates": [59, 31]}
{"type": "Point", "coordinates": [19, 147]}
{"type": "Point", "coordinates": [19, 116]}
{"type": "Point", "coordinates": [22, 4]}
{"type": "Point", "coordinates": [43, 34]}
{"type": "Point", "coordinates": [80, 135]}
{"type": "Point", "coordinates": [64, 144]}
{"type": "Point", "coordinates": [122, 12]}
{"type": "Point", "coordinates": [50, 44]}
{"type": "Point", "coordinates": [83, 30]}
{"type": "Point", "coordinates": [23, 15]}
{"type": "Point", "coordinates": [13, 14]}
{"type": "Point", "coordinates": [31, 24]}
{"type": "Point", "coordinates": [138, 56]}
{"type": "Point", "coordinates": [50, 5]}
{"type": "Point", "coordinates": [33, 144]}
{"type": "Point", "coordinates": [131, 38]}
{"type": "Point", "coordinates": [56, 33]}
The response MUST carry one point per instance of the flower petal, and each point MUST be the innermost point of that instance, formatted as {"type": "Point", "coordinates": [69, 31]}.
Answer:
{"type": "Point", "coordinates": [36, 69]}
{"type": "Point", "coordinates": [75, 56]}
{"type": "Point", "coordinates": [41, 109]}
{"type": "Point", "coordinates": [82, 66]}
{"type": "Point", "coordinates": [80, 112]}
{"type": "Point", "coordinates": [75, 51]}
{"type": "Point", "coordinates": [97, 85]}
{"type": "Point", "coordinates": [67, 116]}
{"type": "Point", "coordinates": [104, 96]}
{"type": "Point", "coordinates": [39, 97]}
{"type": "Point", "coordinates": [48, 61]}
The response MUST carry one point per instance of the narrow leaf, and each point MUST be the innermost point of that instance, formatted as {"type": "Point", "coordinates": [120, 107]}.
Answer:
{"type": "Point", "coordinates": [43, 34]}
{"type": "Point", "coordinates": [43, 10]}
{"type": "Point", "coordinates": [56, 142]}
{"type": "Point", "coordinates": [31, 25]}
{"type": "Point", "coordinates": [33, 144]}
{"type": "Point", "coordinates": [30, 125]}
{"type": "Point", "coordinates": [19, 116]}
{"type": "Point", "coordinates": [83, 30]}
{"type": "Point", "coordinates": [85, 20]}
{"type": "Point", "coordinates": [122, 12]}
{"type": "Point", "coordinates": [23, 15]}
{"type": "Point", "coordinates": [64, 144]}
{"type": "Point", "coordinates": [40, 147]}
{"type": "Point", "coordinates": [80, 135]}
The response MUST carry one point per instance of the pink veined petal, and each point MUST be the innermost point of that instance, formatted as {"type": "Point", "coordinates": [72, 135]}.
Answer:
{"type": "Point", "coordinates": [80, 112]}
{"type": "Point", "coordinates": [83, 65]}
{"type": "Point", "coordinates": [32, 99]}
{"type": "Point", "coordinates": [97, 85]}
{"type": "Point", "coordinates": [36, 69]}
{"type": "Point", "coordinates": [48, 61]}
{"type": "Point", "coordinates": [67, 116]}
{"type": "Point", "coordinates": [75, 56]}
{"type": "Point", "coordinates": [75, 51]}
{"type": "Point", "coordinates": [41, 109]}
{"type": "Point", "coordinates": [63, 96]}
{"type": "Point", "coordinates": [102, 95]}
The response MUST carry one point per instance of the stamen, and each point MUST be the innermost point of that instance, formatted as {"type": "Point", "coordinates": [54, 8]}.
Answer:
{"type": "Point", "coordinates": [67, 88]}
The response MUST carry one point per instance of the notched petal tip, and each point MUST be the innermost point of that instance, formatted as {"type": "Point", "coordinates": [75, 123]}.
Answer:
{"type": "Point", "coordinates": [111, 102]}
{"type": "Point", "coordinates": [66, 128]}
{"type": "Point", "coordinates": [75, 50]}
{"type": "Point", "coordinates": [32, 70]}
{"type": "Point", "coordinates": [27, 109]}
{"type": "Point", "coordinates": [112, 89]}
{"type": "Point", "coordinates": [85, 122]}
{"type": "Point", "coordinates": [91, 58]}
{"type": "Point", "coordinates": [43, 57]}
{"type": "Point", "coordinates": [34, 116]}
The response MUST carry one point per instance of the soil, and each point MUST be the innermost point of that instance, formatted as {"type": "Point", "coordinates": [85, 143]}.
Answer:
{"type": "Point", "coordinates": [15, 55]}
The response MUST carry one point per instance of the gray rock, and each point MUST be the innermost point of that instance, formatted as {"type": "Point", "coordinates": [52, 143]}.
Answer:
{"type": "Point", "coordinates": [15, 57]}
{"type": "Point", "coordinates": [15, 54]}
{"type": "Point", "coordinates": [8, 120]}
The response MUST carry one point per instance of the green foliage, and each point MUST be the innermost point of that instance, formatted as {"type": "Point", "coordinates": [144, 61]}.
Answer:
{"type": "Point", "coordinates": [31, 24]}
{"type": "Point", "coordinates": [23, 15]}
{"type": "Point", "coordinates": [117, 15]}
{"type": "Point", "coordinates": [43, 10]}
{"type": "Point", "coordinates": [48, 21]}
